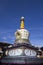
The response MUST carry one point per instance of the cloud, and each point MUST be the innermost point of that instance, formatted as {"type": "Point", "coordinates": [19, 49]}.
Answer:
{"type": "Point", "coordinates": [12, 40]}
{"type": "Point", "coordinates": [4, 38]}
{"type": "Point", "coordinates": [1, 32]}
{"type": "Point", "coordinates": [37, 42]}
{"type": "Point", "coordinates": [36, 28]}
{"type": "Point", "coordinates": [37, 36]}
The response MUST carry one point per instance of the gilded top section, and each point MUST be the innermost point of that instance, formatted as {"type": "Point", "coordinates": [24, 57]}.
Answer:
{"type": "Point", "coordinates": [22, 23]}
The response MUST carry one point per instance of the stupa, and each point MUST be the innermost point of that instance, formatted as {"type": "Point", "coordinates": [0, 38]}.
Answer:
{"type": "Point", "coordinates": [22, 51]}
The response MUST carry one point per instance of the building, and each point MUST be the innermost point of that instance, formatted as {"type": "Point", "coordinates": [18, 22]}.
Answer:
{"type": "Point", "coordinates": [41, 56]}
{"type": "Point", "coordinates": [3, 45]}
{"type": "Point", "coordinates": [22, 51]}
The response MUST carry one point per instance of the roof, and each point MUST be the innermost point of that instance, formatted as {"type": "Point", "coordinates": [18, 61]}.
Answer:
{"type": "Point", "coordinates": [4, 44]}
{"type": "Point", "coordinates": [24, 44]}
{"type": "Point", "coordinates": [41, 48]}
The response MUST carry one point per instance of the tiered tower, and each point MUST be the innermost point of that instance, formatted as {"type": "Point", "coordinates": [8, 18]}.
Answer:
{"type": "Point", "coordinates": [22, 34]}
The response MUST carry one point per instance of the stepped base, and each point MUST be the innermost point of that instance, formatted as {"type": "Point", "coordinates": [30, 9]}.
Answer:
{"type": "Point", "coordinates": [22, 60]}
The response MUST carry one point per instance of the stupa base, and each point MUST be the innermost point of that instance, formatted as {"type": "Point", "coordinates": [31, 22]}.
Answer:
{"type": "Point", "coordinates": [22, 60]}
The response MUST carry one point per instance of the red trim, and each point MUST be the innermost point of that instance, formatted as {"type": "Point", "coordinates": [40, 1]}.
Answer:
{"type": "Point", "coordinates": [21, 28]}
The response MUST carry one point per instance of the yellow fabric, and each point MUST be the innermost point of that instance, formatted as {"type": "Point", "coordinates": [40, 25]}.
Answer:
{"type": "Point", "coordinates": [22, 24]}
{"type": "Point", "coordinates": [41, 56]}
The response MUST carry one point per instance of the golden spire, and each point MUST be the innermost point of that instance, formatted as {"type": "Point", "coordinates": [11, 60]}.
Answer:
{"type": "Point", "coordinates": [22, 23]}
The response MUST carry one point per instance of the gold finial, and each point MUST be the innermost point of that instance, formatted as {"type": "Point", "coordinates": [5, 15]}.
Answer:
{"type": "Point", "coordinates": [22, 23]}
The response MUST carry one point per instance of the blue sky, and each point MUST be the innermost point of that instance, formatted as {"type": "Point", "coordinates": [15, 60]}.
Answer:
{"type": "Point", "coordinates": [10, 14]}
